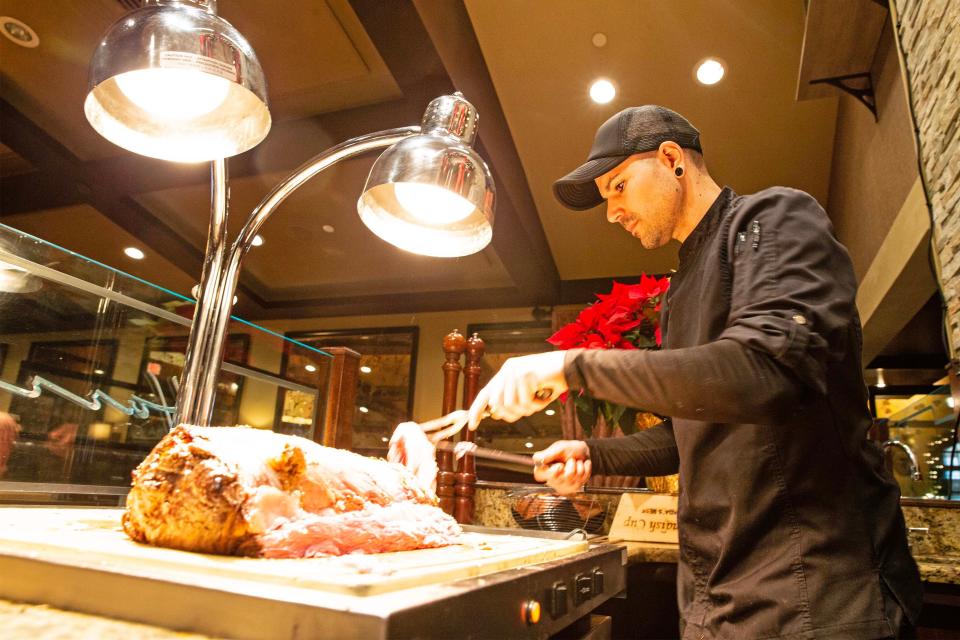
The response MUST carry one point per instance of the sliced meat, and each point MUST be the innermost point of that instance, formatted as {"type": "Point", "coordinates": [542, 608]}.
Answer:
{"type": "Point", "coordinates": [241, 491]}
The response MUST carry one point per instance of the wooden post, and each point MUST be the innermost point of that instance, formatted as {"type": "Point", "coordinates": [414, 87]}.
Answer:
{"type": "Point", "coordinates": [466, 477]}
{"type": "Point", "coordinates": [454, 345]}
{"type": "Point", "coordinates": [334, 425]}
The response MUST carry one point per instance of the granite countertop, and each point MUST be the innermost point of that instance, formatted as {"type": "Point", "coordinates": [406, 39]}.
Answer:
{"type": "Point", "coordinates": [19, 621]}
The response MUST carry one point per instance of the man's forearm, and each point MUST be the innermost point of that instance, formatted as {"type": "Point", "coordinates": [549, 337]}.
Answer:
{"type": "Point", "coordinates": [652, 452]}
{"type": "Point", "coordinates": [721, 381]}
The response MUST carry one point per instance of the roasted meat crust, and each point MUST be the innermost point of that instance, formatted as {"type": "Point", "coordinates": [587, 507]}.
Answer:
{"type": "Point", "coordinates": [185, 498]}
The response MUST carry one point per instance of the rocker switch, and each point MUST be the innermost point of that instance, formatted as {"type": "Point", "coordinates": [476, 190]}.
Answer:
{"type": "Point", "coordinates": [558, 599]}
{"type": "Point", "coordinates": [583, 588]}
{"type": "Point", "coordinates": [597, 581]}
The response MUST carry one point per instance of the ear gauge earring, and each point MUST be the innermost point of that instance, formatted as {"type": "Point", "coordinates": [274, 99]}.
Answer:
{"type": "Point", "coordinates": [679, 171]}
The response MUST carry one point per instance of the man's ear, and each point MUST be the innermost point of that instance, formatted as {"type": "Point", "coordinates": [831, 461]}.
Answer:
{"type": "Point", "coordinates": [670, 154]}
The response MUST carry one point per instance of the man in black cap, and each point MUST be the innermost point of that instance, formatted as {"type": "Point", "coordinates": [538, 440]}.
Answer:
{"type": "Point", "coordinates": [789, 525]}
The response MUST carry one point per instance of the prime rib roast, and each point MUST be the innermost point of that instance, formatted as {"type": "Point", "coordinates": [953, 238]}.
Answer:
{"type": "Point", "coordinates": [252, 492]}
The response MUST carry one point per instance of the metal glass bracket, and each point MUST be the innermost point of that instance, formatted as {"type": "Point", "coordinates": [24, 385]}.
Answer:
{"type": "Point", "coordinates": [135, 406]}
{"type": "Point", "coordinates": [863, 94]}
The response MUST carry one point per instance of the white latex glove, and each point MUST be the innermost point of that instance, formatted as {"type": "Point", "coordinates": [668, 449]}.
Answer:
{"type": "Point", "coordinates": [565, 466]}
{"type": "Point", "coordinates": [511, 393]}
{"type": "Point", "coordinates": [410, 447]}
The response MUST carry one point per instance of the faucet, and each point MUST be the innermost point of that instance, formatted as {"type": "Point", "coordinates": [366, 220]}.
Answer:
{"type": "Point", "coordinates": [914, 469]}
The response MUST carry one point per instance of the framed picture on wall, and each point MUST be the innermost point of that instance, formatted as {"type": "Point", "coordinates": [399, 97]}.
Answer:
{"type": "Point", "coordinates": [161, 371]}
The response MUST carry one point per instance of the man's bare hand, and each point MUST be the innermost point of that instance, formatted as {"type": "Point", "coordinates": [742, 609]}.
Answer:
{"type": "Point", "coordinates": [9, 430]}
{"type": "Point", "coordinates": [61, 439]}
{"type": "Point", "coordinates": [564, 465]}
{"type": "Point", "coordinates": [512, 393]}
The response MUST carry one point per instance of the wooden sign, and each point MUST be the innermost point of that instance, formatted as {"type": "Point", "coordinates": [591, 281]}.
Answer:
{"type": "Point", "coordinates": [645, 518]}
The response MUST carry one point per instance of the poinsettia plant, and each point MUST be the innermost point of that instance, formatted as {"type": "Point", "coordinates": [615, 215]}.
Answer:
{"type": "Point", "coordinates": [626, 318]}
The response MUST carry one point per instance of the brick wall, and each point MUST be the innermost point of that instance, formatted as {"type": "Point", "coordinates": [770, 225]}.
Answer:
{"type": "Point", "coordinates": [929, 36]}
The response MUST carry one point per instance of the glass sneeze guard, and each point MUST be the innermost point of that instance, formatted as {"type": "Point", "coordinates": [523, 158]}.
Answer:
{"type": "Point", "coordinates": [90, 359]}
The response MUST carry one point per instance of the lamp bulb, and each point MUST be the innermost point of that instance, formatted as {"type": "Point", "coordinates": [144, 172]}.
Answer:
{"type": "Point", "coordinates": [174, 94]}
{"type": "Point", "coordinates": [432, 204]}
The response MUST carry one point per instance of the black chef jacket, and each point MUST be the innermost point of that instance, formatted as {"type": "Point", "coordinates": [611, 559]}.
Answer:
{"type": "Point", "coordinates": [790, 527]}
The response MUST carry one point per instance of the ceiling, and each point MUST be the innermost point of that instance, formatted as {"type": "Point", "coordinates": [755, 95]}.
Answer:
{"type": "Point", "coordinates": [341, 68]}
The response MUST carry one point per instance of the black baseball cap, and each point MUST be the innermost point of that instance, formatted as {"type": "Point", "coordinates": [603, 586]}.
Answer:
{"type": "Point", "coordinates": [633, 130]}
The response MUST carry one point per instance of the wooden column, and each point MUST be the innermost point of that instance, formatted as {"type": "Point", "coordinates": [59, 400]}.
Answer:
{"type": "Point", "coordinates": [454, 345]}
{"type": "Point", "coordinates": [334, 422]}
{"type": "Point", "coordinates": [466, 477]}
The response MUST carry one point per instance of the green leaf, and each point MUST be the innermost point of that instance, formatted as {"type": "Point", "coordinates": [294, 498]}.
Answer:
{"type": "Point", "coordinates": [628, 421]}
{"type": "Point", "coordinates": [586, 413]}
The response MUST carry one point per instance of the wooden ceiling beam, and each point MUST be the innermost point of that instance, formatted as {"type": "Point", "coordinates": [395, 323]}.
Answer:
{"type": "Point", "coordinates": [519, 240]}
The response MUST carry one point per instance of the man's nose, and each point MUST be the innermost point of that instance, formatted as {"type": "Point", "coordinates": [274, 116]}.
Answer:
{"type": "Point", "coordinates": [614, 213]}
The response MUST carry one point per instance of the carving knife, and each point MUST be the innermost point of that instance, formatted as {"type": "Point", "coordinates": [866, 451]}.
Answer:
{"type": "Point", "coordinates": [491, 454]}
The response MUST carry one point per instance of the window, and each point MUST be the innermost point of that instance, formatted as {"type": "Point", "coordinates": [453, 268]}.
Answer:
{"type": "Point", "coordinates": [385, 388]}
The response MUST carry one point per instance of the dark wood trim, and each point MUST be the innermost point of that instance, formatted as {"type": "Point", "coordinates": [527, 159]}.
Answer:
{"type": "Point", "coordinates": [584, 291]}
{"type": "Point", "coordinates": [911, 361]}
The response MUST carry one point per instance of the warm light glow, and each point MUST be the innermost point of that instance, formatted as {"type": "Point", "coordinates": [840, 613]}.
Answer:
{"type": "Point", "coordinates": [432, 204]}
{"type": "Point", "coordinates": [951, 402]}
{"type": "Point", "coordinates": [602, 91]}
{"type": "Point", "coordinates": [174, 94]}
{"type": "Point", "coordinates": [550, 412]}
{"type": "Point", "coordinates": [133, 252]}
{"type": "Point", "coordinates": [311, 368]}
{"type": "Point", "coordinates": [257, 240]}
{"type": "Point", "coordinates": [881, 383]}
{"type": "Point", "coordinates": [384, 439]}
{"type": "Point", "coordinates": [528, 445]}
{"type": "Point", "coordinates": [363, 410]}
{"type": "Point", "coordinates": [328, 228]}
{"type": "Point", "coordinates": [98, 372]}
{"type": "Point", "coordinates": [710, 71]}
{"type": "Point", "coordinates": [365, 369]}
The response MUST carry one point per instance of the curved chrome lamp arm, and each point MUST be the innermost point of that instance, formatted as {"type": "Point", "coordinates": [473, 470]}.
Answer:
{"type": "Point", "coordinates": [221, 269]}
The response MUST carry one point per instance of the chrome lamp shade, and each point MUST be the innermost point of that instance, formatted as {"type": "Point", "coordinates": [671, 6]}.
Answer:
{"type": "Point", "coordinates": [431, 193]}
{"type": "Point", "coordinates": [172, 80]}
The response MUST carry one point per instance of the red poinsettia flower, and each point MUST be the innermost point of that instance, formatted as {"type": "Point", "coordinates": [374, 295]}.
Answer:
{"type": "Point", "coordinates": [625, 318]}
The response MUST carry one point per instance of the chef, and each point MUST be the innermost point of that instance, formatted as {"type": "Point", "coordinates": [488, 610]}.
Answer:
{"type": "Point", "coordinates": [789, 526]}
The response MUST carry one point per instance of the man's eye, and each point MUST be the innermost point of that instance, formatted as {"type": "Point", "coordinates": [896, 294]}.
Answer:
{"type": "Point", "coordinates": [619, 187]}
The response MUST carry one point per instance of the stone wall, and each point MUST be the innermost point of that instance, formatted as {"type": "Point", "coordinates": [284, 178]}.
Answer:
{"type": "Point", "coordinates": [929, 36]}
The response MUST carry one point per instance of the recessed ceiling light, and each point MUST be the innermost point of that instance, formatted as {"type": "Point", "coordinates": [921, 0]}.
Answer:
{"type": "Point", "coordinates": [257, 240]}
{"type": "Point", "coordinates": [602, 91]}
{"type": "Point", "coordinates": [328, 228]}
{"type": "Point", "coordinates": [384, 439]}
{"type": "Point", "coordinates": [98, 372]}
{"type": "Point", "coordinates": [18, 32]}
{"type": "Point", "coordinates": [599, 40]}
{"type": "Point", "coordinates": [528, 445]}
{"type": "Point", "coordinates": [363, 409]}
{"type": "Point", "coordinates": [311, 368]}
{"type": "Point", "coordinates": [133, 252]}
{"type": "Point", "coordinates": [710, 71]}
{"type": "Point", "coordinates": [550, 412]}
{"type": "Point", "coordinates": [365, 369]}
